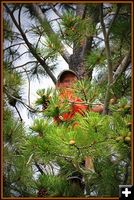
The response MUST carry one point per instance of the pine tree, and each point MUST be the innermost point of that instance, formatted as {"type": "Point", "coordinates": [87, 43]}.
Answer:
{"type": "Point", "coordinates": [17, 178]}
{"type": "Point", "coordinates": [48, 159]}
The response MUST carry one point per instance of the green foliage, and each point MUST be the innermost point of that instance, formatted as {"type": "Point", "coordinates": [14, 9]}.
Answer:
{"type": "Point", "coordinates": [44, 97]}
{"type": "Point", "coordinates": [38, 126]}
{"type": "Point", "coordinates": [18, 178]}
{"type": "Point", "coordinates": [104, 175]}
{"type": "Point", "coordinates": [12, 128]}
{"type": "Point", "coordinates": [12, 84]}
{"type": "Point", "coordinates": [105, 138]}
{"type": "Point", "coordinates": [54, 185]}
{"type": "Point", "coordinates": [8, 34]}
{"type": "Point", "coordinates": [53, 43]}
{"type": "Point", "coordinates": [122, 26]}
{"type": "Point", "coordinates": [123, 86]}
{"type": "Point", "coordinates": [121, 31]}
{"type": "Point", "coordinates": [123, 106]}
{"type": "Point", "coordinates": [51, 103]}
{"type": "Point", "coordinates": [94, 58]}
{"type": "Point", "coordinates": [88, 92]}
{"type": "Point", "coordinates": [76, 29]}
{"type": "Point", "coordinates": [51, 48]}
{"type": "Point", "coordinates": [11, 78]}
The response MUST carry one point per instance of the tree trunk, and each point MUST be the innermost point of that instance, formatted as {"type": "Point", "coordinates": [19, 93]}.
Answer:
{"type": "Point", "coordinates": [77, 58]}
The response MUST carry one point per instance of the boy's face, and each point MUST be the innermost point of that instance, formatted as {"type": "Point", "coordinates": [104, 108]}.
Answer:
{"type": "Point", "coordinates": [68, 81]}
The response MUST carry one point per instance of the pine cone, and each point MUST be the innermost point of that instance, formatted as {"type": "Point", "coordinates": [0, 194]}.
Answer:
{"type": "Point", "coordinates": [42, 192]}
{"type": "Point", "coordinates": [12, 102]}
{"type": "Point", "coordinates": [45, 104]}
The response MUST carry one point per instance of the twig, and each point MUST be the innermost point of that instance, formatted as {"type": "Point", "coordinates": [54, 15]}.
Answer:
{"type": "Point", "coordinates": [56, 11]}
{"type": "Point", "coordinates": [19, 57]}
{"type": "Point", "coordinates": [30, 158]}
{"type": "Point", "coordinates": [39, 168]}
{"type": "Point", "coordinates": [29, 45]}
{"type": "Point", "coordinates": [108, 55]}
{"type": "Point", "coordinates": [38, 41]}
{"type": "Point", "coordinates": [85, 103]}
{"type": "Point", "coordinates": [42, 18]}
{"type": "Point", "coordinates": [28, 86]}
{"type": "Point", "coordinates": [18, 113]}
{"type": "Point", "coordinates": [19, 100]}
{"type": "Point", "coordinates": [25, 64]}
{"type": "Point", "coordinates": [113, 20]}
{"type": "Point", "coordinates": [126, 174]}
{"type": "Point", "coordinates": [19, 15]}
{"type": "Point", "coordinates": [95, 143]}
{"type": "Point", "coordinates": [63, 156]}
{"type": "Point", "coordinates": [13, 46]}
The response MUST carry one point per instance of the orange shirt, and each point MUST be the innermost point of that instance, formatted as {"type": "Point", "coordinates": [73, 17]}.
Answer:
{"type": "Point", "coordinates": [74, 107]}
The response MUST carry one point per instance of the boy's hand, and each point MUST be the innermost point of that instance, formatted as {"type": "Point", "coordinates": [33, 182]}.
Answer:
{"type": "Point", "coordinates": [97, 108]}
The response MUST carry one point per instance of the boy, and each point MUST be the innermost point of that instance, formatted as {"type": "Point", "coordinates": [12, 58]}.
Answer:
{"type": "Point", "coordinates": [65, 82]}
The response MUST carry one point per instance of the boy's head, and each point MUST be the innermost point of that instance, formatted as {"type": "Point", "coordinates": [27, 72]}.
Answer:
{"type": "Point", "coordinates": [66, 78]}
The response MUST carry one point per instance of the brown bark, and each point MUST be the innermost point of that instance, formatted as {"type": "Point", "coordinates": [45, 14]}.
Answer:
{"type": "Point", "coordinates": [106, 34]}
{"type": "Point", "coordinates": [77, 58]}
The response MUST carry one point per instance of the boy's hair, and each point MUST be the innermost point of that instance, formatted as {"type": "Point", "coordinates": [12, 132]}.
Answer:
{"type": "Point", "coordinates": [62, 75]}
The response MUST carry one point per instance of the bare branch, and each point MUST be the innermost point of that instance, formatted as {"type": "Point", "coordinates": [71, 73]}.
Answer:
{"type": "Point", "coordinates": [38, 41]}
{"type": "Point", "coordinates": [18, 113]}
{"type": "Point", "coordinates": [56, 11]}
{"type": "Point", "coordinates": [127, 165]}
{"type": "Point", "coordinates": [80, 10]}
{"type": "Point", "coordinates": [49, 31]}
{"type": "Point", "coordinates": [39, 168]}
{"type": "Point", "coordinates": [113, 20]}
{"type": "Point", "coordinates": [13, 46]}
{"type": "Point", "coordinates": [102, 22]}
{"type": "Point", "coordinates": [27, 63]}
{"type": "Point", "coordinates": [18, 57]}
{"type": "Point", "coordinates": [19, 100]}
{"type": "Point", "coordinates": [31, 48]}
{"type": "Point", "coordinates": [24, 71]}
{"type": "Point", "coordinates": [125, 62]}
{"type": "Point", "coordinates": [19, 15]}
{"type": "Point", "coordinates": [108, 55]}
{"type": "Point", "coordinates": [28, 86]}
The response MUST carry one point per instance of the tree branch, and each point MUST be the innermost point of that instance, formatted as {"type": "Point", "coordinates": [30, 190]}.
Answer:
{"type": "Point", "coordinates": [25, 64]}
{"type": "Point", "coordinates": [19, 15]}
{"type": "Point", "coordinates": [102, 21]}
{"type": "Point", "coordinates": [49, 31]}
{"type": "Point", "coordinates": [107, 47]}
{"type": "Point", "coordinates": [13, 46]}
{"type": "Point", "coordinates": [32, 50]}
{"type": "Point", "coordinates": [125, 62]}
{"type": "Point", "coordinates": [28, 86]}
{"type": "Point", "coordinates": [55, 11]}
{"type": "Point", "coordinates": [126, 173]}
{"type": "Point", "coordinates": [113, 20]}
{"type": "Point", "coordinates": [19, 100]}
{"type": "Point", "coordinates": [18, 113]}
{"type": "Point", "coordinates": [18, 57]}
{"type": "Point", "coordinates": [39, 168]}
{"type": "Point", "coordinates": [80, 10]}
{"type": "Point", "coordinates": [118, 68]}
{"type": "Point", "coordinates": [38, 41]}
{"type": "Point", "coordinates": [108, 55]}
